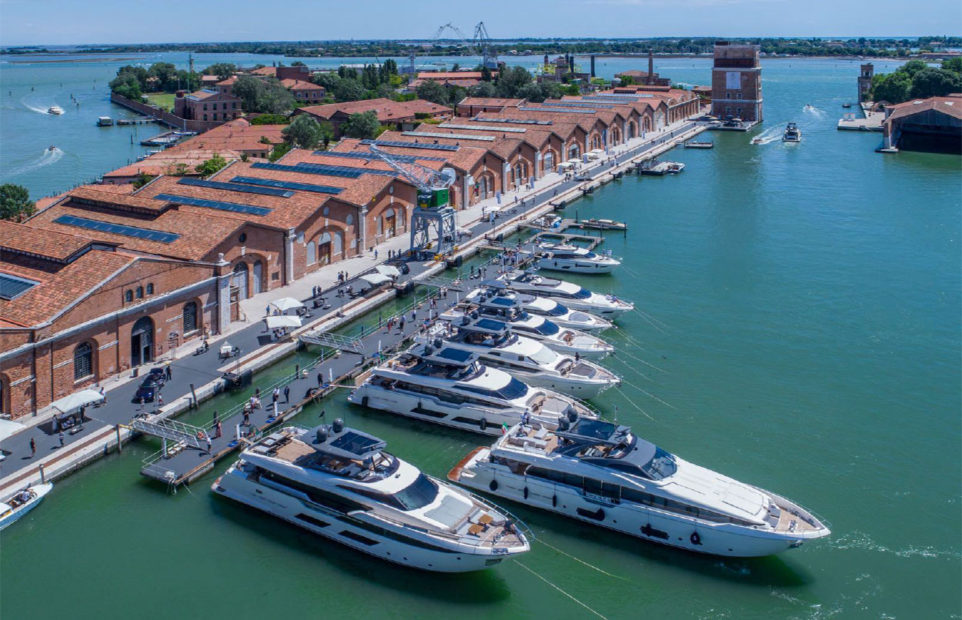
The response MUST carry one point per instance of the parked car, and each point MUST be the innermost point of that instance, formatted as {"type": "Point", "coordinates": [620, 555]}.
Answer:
{"type": "Point", "coordinates": [150, 386]}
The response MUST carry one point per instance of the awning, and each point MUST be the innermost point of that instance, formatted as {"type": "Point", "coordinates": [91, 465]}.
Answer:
{"type": "Point", "coordinates": [388, 270]}
{"type": "Point", "coordinates": [275, 322]}
{"type": "Point", "coordinates": [77, 400]}
{"type": "Point", "coordinates": [565, 165]}
{"type": "Point", "coordinates": [286, 303]}
{"type": "Point", "coordinates": [375, 279]}
{"type": "Point", "coordinates": [7, 428]}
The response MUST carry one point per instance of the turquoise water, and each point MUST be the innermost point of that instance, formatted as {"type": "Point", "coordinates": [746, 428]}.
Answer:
{"type": "Point", "coordinates": [799, 330]}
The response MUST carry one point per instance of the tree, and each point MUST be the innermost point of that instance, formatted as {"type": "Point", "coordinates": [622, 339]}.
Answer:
{"type": "Point", "coordinates": [485, 74]}
{"type": "Point", "coordinates": [249, 89]}
{"type": "Point", "coordinates": [364, 125]}
{"type": "Point", "coordinates": [953, 64]}
{"type": "Point", "coordinates": [913, 66]}
{"type": "Point", "coordinates": [298, 63]}
{"type": "Point", "coordinates": [531, 92]}
{"type": "Point", "coordinates": [931, 82]}
{"type": "Point", "coordinates": [15, 203]}
{"type": "Point", "coordinates": [270, 119]}
{"type": "Point", "coordinates": [484, 89]}
{"type": "Point", "coordinates": [891, 87]}
{"type": "Point", "coordinates": [126, 85]}
{"type": "Point", "coordinates": [222, 70]}
{"type": "Point", "coordinates": [511, 80]}
{"type": "Point", "coordinates": [328, 80]}
{"type": "Point", "coordinates": [211, 166]}
{"type": "Point", "coordinates": [274, 98]}
{"type": "Point", "coordinates": [429, 90]}
{"type": "Point", "coordinates": [279, 151]}
{"type": "Point", "coordinates": [349, 89]}
{"type": "Point", "coordinates": [166, 74]}
{"type": "Point", "coordinates": [304, 132]}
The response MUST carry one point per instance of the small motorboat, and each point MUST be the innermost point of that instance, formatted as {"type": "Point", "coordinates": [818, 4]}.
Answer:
{"type": "Point", "coordinates": [693, 144]}
{"type": "Point", "coordinates": [757, 140]}
{"type": "Point", "coordinates": [22, 503]}
{"type": "Point", "coordinates": [809, 107]}
{"type": "Point", "coordinates": [55, 109]}
{"type": "Point", "coordinates": [792, 133]}
{"type": "Point", "coordinates": [846, 105]}
{"type": "Point", "coordinates": [51, 148]}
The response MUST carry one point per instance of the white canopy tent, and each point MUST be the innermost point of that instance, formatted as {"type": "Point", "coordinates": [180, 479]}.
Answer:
{"type": "Point", "coordinates": [77, 400]}
{"type": "Point", "coordinates": [388, 270]}
{"type": "Point", "coordinates": [375, 279]}
{"type": "Point", "coordinates": [275, 322]}
{"type": "Point", "coordinates": [286, 303]}
{"type": "Point", "coordinates": [9, 427]}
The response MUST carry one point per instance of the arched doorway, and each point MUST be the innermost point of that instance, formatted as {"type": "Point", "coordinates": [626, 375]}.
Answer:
{"type": "Point", "coordinates": [324, 248]}
{"type": "Point", "coordinates": [239, 280]}
{"type": "Point", "coordinates": [574, 152]}
{"type": "Point", "coordinates": [632, 130]}
{"type": "Point", "coordinates": [142, 342]}
{"type": "Point", "coordinates": [548, 160]}
{"type": "Point", "coordinates": [258, 276]}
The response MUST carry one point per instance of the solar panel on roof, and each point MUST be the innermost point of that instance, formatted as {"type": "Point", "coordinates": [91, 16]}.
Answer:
{"type": "Point", "coordinates": [575, 104]}
{"type": "Point", "coordinates": [356, 443]}
{"type": "Point", "coordinates": [450, 136]}
{"type": "Point", "coordinates": [235, 187]}
{"type": "Point", "coordinates": [455, 355]}
{"type": "Point", "coordinates": [372, 156]}
{"type": "Point", "coordinates": [118, 229]}
{"type": "Point", "coordinates": [413, 145]}
{"type": "Point", "coordinates": [12, 287]}
{"type": "Point", "coordinates": [220, 205]}
{"type": "Point", "coordinates": [346, 171]}
{"type": "Point", "coordinates": [565, 110]}
{"type": "Point", "coordinates": [482, 128]}
{"type": "Point", "coordinates": [516, 121]}
{"type": "Point", "coordinates": [304, 187]}
{"type": "Point", "coordinates": [490, 324]}
{"type": "Point", "coordinates": [302, 170]}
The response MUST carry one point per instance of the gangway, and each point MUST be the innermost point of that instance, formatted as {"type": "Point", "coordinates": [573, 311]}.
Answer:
{"type": "Point", "coordinates": [172, 430]}
{"type": "Point", "coordinates": [334, 341]}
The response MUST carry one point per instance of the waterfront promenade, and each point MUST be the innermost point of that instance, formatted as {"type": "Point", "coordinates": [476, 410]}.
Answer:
{"type": "Point", "coordinates": [104, 429]}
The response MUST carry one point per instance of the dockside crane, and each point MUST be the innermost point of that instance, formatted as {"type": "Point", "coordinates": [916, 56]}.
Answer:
{"type": "Point", "coordinates": [489, 58]}
{"type": "Point", "coordinates": [433, 212]}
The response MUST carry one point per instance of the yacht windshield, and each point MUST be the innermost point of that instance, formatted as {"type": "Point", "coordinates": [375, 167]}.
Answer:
{"type": "Point", "coordinates": [514, 389]}
{"type": "Point", "coordinates": [544, 356]}
{"type": "Point", "coordinates": [581, 293]}
{"type": "Point", "coordinates": [418, 494]}
{"type": "Point", "coordinates": [662, 465]}
{"type": "Point", "coordinates": [558, 310]}
{"type": "Point", "coordinates": [548, 329]}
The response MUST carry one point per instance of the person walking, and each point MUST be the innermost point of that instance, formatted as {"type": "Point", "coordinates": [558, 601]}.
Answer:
{"type": "Point", "coordinates": [33, 447]}
{"type": "Point", "coordinates": [375, 253]}
{"type": "Point", "coordinates": [160, 401]}
{"type": "Point", "coordinates": [168, 373]}
{"type": "Point", "coordinates": [275, 395]}
{"type": "Point", "coordinates": [287, 393]}
{"type": "Point", "coordinates": [60, 435]}
{"type": "Point", "coordinates": [209, 446]}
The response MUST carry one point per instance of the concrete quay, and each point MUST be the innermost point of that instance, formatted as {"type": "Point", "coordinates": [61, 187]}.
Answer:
{"type": "Point", "coordinates": [198, 377]}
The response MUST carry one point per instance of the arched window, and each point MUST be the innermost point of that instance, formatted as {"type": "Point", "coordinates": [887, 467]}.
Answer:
{"type": "Point", "coordinates": [128, 296]}
{"type": "Point", "coordinates": [190, 317]}
{"type": "Point", "coordinates": [311, 253]}
{"type": "Point", "coordinates": [83, 361]}
{"type": "Point", "coordinates": [150, 288]}
{"type": "Point", "coordinates": [140, 292]}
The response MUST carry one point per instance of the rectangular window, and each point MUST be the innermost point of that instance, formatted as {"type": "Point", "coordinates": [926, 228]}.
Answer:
{"type": "Point", "coordinates": [205, 117]}
{"type": "Point", "coordinates": [733, 80]}
{"type": "Point", "coordinates": [205, 106]}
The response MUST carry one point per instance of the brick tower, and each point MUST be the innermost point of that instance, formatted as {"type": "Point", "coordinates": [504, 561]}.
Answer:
{"type": "Point", "coordinates": [736, 82]}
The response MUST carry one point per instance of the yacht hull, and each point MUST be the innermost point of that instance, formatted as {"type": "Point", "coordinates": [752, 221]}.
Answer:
{"type": "Point", "coordinates": [627, 518]}
{"type": "Point", "coordinates": [235, 485]}
{"type": "Point", "coordinates": [575, 266]}
{"type": "Point", "coordinates": [40, 490]}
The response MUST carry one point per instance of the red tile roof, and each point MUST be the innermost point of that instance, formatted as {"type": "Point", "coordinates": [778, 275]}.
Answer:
{"type": "Point", "coordinates": [292, 84]}
{"type": "Point", "coordinates": [386, 109]}
{"type": "Point", "coordinates": [59, 247]}
{"type": "Point", "coordinates": [951, 105]}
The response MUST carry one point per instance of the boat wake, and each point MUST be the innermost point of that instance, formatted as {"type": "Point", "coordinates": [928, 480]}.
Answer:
{"type": "Point", "coordinates": [34, 108]}
{"type": "Point", "coordinates": [862, 542]}
{"type": "Point", "coordinates": [48, 158]}
{"type": "Point", "coordinates": [810, 109]}
{"type": "Point", "coordinates": [768, 136]}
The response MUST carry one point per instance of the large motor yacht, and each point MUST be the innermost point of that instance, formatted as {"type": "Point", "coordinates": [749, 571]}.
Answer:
{"type": "Point", "coordinates": [792, 133]}
{"type": "Point", "coordinates": [570, 258]}
{"type": "Point", "coordinates": [546, 307]}
{"type": "Point", "coordinates": [509, 310]}
{"type": "Point", "coordinates": [568, 293]}
{"type": "Point", "coordinates": [602, 473]}
{"type": "Point", "coordinates": [340, 483]}
{"type": "Point", "coordinates": [449, 386]}
{"type": "Point", "coordinates": [524, 358]}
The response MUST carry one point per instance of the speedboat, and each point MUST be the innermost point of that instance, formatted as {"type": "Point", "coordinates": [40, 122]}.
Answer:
{"type": "Point", "coordinates": [602, 473]}
{"type": "Point", "coordinates": [526, 359]}
{"type": "Point", "coordinates": [792, 133]}
{"type": "Point", "coordinates": [548, 308]}
{"type": "Point", "coordinates": [450, 387]}
{"type": "Point", "coordinates": [509, 310]}
{"type": "Point", "coordinates": [757, 140]}
{"type": "Point", "coordinates": [22, 503]}
{"type": "Point", "coordinates": [562, 257]}
{"type": "Point", "coordinates": [571, 295]}
{"type": "Point", "coordinates": [55, 109]}
{"type": "Point", "coordinates": [341, 484]}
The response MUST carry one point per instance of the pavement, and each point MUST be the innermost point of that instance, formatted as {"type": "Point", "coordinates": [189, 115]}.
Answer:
{"type": "Point", "coordinates": [20, 464]}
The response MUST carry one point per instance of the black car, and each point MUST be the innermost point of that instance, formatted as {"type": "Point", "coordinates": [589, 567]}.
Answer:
{"type": "Point", "coordinates": [150, 386]}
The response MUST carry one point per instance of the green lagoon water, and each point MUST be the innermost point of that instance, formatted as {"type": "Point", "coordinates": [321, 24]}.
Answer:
{"type": "Point", "coordinates": [800, 331]}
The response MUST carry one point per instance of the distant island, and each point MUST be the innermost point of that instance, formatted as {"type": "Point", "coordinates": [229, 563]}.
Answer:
{"type": "Point", "coordinates": [686, 46]}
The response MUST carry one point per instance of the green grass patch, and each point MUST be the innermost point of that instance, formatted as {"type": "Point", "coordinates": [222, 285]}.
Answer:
{"type": "Point", "coordinates": [164, 101]}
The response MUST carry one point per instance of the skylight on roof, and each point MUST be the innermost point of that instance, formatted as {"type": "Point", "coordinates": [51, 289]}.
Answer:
{"type": "Point", "coordinates": [12, 287]}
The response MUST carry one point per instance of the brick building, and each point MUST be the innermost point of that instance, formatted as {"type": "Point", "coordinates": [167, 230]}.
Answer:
{"type": "Point", "coordinates": [736, 82]}
{"type": "Point", "coordinates": [207, 105]}
{"type": "Point", "coordinates": [404, 115]}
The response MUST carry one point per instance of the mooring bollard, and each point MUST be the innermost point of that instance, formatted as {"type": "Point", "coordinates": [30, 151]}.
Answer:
{"type": "Point", "coordinates": [120, 447]}
{"type": "Point", "coordinates": [43, 477]}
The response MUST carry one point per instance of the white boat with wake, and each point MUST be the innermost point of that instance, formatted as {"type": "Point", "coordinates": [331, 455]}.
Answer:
{"type": "Point", "coordinates": [448, 386]}
{"type": "Point", "coordinates": [509, 310]}
{"type": "Point", "coordinates": [571, 258]}
{"type": "Point", "coordinates": [602, 473]}
{"type": "Point", "coordinates": [567, 293]}
{"type": "Point", "coordinates": [55, 110]}
{"type": "Point", "coordinates": [341, 483]}
{"type": "Point", "coordinates": [22, 503]}
{"type": "Point", "coordinates": [526, 359]}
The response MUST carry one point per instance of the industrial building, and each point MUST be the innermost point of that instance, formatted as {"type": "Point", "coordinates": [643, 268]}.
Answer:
{"type": "Point", "coordinates": [736, 83]}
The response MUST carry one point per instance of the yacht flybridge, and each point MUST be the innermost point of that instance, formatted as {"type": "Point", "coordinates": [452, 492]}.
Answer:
{"type": "Point", "coordinates": [571, 295]}
{"type": "Point", "coordinates": [448, 386]}
{"type": "Point", "coordinates": [340, 483]}
{"type": "Point", "coordinates": [602, 473]}
{"type": "Point", "coordinates": [571, 258]}
{"type": "Point", "coordinates": [524, 358]}
{"type": "Point", "coordinates": [546, 307]}
{"type": "Point", "coordinates": [510, 310]}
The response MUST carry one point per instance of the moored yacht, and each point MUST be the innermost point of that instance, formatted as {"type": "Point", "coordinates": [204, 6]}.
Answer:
{"type": "Point", "coordinates": [570, 258]}
{"type": "Point", "coordinates": [521, 322]}
{"type": "Point", "coordinates": [448, 386]}
{"type": "Point", "coordinates": [602, 473]}
{"type": "Point", "coordinates": [568, 293]}
{"type": "Point", "coordinates": [22, 503]}
{"type": "Point", "coordinates": [341, 484]}
{"type": "Point", "coordinates": [546, 307]}
{"type": "Point", "coordinates": [524, 358]}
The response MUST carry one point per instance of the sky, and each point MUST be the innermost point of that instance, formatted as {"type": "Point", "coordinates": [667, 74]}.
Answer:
{"type": "Point", "coordinates": [66, 22]}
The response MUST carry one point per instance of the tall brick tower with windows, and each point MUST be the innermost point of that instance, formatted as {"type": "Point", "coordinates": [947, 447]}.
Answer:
{"type": "Point", "coordinates": [865, 82]}
{"type": "Point", "coordinates": [736, 82]}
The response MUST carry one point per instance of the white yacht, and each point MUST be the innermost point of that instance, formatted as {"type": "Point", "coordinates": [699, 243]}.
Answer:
{"type": "Point", "coordinates": [603, 474]}
{"type": "Point", "coordinates": [546, 307]}
{"type": "Point", "coordinates": [509, 310]}
{"type": "Point", "coordinates": [340, 483]}
{"type": "Point", "coordinates": [22, 503]}
{"type": "Point", "coordinates": [448, 386]}
{"type": "Point", "coordinates": [524, 358]}
{"type": "Point", "coordinates": [570, 258]}
{"type": "Point", "coordinates": [568, 293]}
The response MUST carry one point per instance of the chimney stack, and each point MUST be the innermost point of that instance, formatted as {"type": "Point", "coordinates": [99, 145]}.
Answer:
{"type": "Point", "coordinates": [592, 65]}
{"type": "Point", "coordinates": [651, 67]}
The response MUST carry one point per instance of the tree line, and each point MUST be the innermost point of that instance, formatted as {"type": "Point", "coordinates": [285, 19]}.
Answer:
{"type": "Point", "coordinates": [917, 80]}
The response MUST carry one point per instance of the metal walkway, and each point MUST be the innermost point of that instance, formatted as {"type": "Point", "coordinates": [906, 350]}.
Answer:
{"type": "Point", "coordinates": [178, 432]}
{"type": "Point", "coordinates": [334, 341]}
